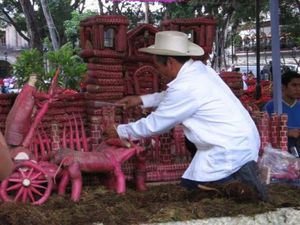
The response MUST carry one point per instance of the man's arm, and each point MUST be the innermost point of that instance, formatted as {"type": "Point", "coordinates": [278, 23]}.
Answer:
{"type": "Point", "coordinates": [175, 108]}
{"type": "Point", "coordinates": [152, 100]}
{"type": "Point", "coordinates": [147, 101]}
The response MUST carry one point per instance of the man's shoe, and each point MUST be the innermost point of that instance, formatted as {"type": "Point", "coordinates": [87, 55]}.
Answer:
{"type": "Point", "coordinates": [240, 191]}
{"type": "Point", "coordinates": [233, 189]}
{"type": "Point", "coordinates": [248, 174]}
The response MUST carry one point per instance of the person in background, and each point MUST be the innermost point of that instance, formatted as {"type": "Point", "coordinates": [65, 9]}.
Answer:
{"type": "Point", "coordinates": [244, 79]}
{"type": "Point", "coordinates": [250, 75]}
{"type": "Point", "coordinates": [290, 82]}
{"type": "Point", "coordinates": [5, 86]}
{"type": "Point", "coordinates": [9, 83]}
{"type": "Point", "coordinates": [226, 138]}
{"type": "Point", "coordinates": [266, 71]}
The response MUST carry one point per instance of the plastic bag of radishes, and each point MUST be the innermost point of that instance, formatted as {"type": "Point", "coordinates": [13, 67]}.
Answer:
{"type": "Point", "coordinates": [282, 164]}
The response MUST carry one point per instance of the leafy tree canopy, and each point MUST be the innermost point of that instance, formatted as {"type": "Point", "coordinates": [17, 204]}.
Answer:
{"type": "Point", "coordinates": [33, 61]}
{"type": "Point", "coordinates": [72, 25]}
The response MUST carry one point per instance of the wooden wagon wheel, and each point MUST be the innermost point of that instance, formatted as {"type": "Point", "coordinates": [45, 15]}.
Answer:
{"type": "Point", "coordinates": [28, 183]}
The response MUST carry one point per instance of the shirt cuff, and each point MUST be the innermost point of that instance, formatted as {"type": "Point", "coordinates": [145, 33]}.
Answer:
{"type": "Point", "coordinates": [146, 99]}
{"type": "Point", "coordinates": [122, 132]}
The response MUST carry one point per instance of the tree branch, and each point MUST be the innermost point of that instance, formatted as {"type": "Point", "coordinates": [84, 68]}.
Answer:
{"type": "Point", "coordinates": [15, 25]}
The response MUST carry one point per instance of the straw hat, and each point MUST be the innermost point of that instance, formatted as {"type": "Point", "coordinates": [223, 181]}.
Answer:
{"type": "Point", "coordinates": [173, 43]}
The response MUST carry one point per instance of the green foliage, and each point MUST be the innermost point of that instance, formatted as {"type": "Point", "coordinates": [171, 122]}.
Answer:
{"type": "Point", "coordinates": [13, 9]}
{"type": "Point", "coordinates": [28, 62]}
{"type": "Point", "coordinates": [72, 26]}
{"type": "Point", "coordinates": [32, 61]}
{"type": "Point", "coordinates": [237, 40]}
{"type": "Point", "coordinates": [72, 66]}
{"type": "Point", "coordinates": [297, 41]}
{"type": "Point", "coordinates": [134, 14]}
{"type": "Point", "coordinates": [181, 10]}
{"type": "Point", "coordinates": [290, 20]}
{"type": "Point", "coordinates": [60, 12]}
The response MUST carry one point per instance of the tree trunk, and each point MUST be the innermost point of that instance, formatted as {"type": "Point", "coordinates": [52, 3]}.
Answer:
{"type": "Point", "coordinates": [230, 12]}
{"type": "Point", "coordinates": [220, 43]}
{"type": "Point", "coordinates": [77, 3]}
{"type": "Point", "coordinates": [115, 8]}
{"type": "Point", "coordinates": [100, 7]}
{"type": "Point", "coordinates": [50, 24]}
{"type": "Point", "coordinates": [32, 28]}
{"type": "Point", "coordinates": [298, 4]}
{"type": "Point", "coordinates": [294, 57]}
{"type": "Point", "coordinates": [146, 12]}
{"type": "Point", "coordinates": [15, 25]}
{"type": "Point", "coordinates": [167, 12]}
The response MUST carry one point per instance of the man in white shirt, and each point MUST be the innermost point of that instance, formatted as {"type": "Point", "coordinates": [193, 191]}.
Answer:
{"type": "Point", "coordinates": [223, 132]}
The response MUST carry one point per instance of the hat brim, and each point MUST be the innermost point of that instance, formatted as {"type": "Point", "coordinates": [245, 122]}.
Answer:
{"type": "Point", "coordinates": [193, 50]}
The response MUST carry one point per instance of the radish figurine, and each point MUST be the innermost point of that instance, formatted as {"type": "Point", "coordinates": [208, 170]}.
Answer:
{"type": "Point", "coordinates": [108, 159]}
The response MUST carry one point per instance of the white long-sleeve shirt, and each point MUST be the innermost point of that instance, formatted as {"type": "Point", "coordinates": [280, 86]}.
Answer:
{"type": "Point", "coordinates": [212, 117]}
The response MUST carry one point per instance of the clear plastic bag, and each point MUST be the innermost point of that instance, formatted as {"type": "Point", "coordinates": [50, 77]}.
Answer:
{"type": "Point", "coordinates": [280, 164]}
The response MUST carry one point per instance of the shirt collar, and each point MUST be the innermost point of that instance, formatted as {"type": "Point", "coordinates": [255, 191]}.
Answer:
{"type": "Point", "coordinates": [182, 70]}
{"type": "Point", "coordinates": [290, 105]}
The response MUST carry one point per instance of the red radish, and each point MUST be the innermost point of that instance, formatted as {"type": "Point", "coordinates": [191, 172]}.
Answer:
{"type": "Point", "coordinates": [27, 141]}
{"type": "Point", "coordinates": [19, 118]}
{"type": "Point", "coordinates": [106, 160]}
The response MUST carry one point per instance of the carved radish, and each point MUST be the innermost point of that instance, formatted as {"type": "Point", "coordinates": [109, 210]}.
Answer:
{"type": "Point", "coordinates": [108, 159]}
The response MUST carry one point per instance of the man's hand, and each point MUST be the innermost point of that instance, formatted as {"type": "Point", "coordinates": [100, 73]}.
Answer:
{"type": "Point", "coordinates": [295, 133]}
{"type": "Point", "coordinates": [130, 101]}
{"type": "Point", "coordinates": [111, 132]}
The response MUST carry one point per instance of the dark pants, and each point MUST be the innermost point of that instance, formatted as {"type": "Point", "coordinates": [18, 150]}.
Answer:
{"type": "Point", "coordinates": [191, 147]}
{"type": "Point", "coordinates": [193, 185]}
{"type": "Point", "coordinates": [247, 174]}
{"type": "Point", "coordinates": [5, 89]}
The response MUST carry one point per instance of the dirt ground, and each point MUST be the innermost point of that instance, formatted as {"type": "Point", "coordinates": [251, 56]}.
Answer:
{"type": "Point", "coordinates": [163, 203]}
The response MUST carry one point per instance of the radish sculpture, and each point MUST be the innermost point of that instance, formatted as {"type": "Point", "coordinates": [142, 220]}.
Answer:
{"type": "Point", "coordinates": [34, 174]}
{"type": "Point", "coordinates": [31, 181]}
{"type": "Point", "coordinates": [107, 159]}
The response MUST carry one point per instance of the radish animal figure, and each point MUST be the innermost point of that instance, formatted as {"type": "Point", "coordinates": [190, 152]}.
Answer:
{"type": "Point", "coordinates": [108, 159]}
